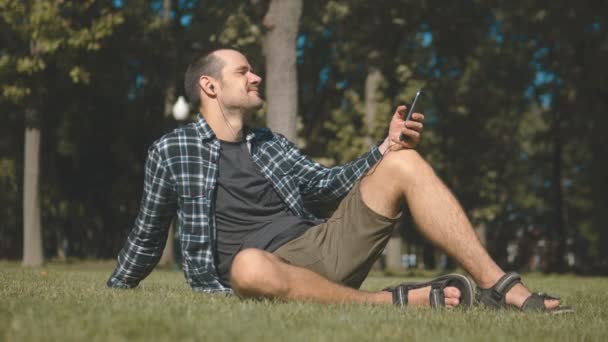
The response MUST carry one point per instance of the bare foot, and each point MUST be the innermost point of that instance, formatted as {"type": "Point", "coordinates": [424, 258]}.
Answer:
{"type": "Point", "coordinates": [420, 297]}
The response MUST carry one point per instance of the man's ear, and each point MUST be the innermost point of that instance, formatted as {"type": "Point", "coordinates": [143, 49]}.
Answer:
{"type": "Point", "coordinates": [207, 86]}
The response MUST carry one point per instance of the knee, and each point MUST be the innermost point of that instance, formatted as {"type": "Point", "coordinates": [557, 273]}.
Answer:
{"type": "Point", "coordinates": [407, 163]}
{"type": "Point", "coordinates": [245, 271]}
{"type": "Point", "coordinates": [253, 274]}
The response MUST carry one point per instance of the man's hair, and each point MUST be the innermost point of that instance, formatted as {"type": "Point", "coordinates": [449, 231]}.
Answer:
{"type": "Point", "coordinates": [208, 64]}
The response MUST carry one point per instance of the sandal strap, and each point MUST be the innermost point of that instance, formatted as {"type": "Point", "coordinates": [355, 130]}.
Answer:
{"type": "Point", "coordinates": [400, 295]}
{"type": "Point", "coordinates": [437, 297]}
{"type": "Point", "coordinates": [506, 282]}
{"type": "Point", "coordinates": [536, 301]}
{"type": "Point", "coordinates": [495, 296]}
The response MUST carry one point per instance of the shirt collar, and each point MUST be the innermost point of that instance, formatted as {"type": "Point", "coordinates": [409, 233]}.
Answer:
{"type": "Point", "coordinates": [206, 133]}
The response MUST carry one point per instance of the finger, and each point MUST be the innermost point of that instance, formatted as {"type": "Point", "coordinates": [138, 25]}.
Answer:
{"type": "Point", "coordinates": [418, 117]}
{"type": "Point", "coordinates": [401, 110]}
{"type": "Point", "coordinates": [410, 134]}
{"type": "Point", "coordinates": [395, 146]}
{"type": "Point", "coordinates": [415, 125]}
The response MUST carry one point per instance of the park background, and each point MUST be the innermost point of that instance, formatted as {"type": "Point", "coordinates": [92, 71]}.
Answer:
{"type": "Point", "coordinates": [516, 96]}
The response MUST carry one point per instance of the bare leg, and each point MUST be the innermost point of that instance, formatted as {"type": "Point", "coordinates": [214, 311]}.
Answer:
{"type": "Point", "coordinates": [405, 176]}
{"type": "Point", "coordinates": [259, 274]}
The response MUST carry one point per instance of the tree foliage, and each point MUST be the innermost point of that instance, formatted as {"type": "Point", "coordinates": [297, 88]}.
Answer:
{"type": "Point", "coordinates": [515, 96]}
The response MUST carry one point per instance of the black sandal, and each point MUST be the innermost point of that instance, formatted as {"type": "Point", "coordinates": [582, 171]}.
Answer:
{"type": "Point", "coordinates": [495, 296]}
{"type": "Point", "coordinates": [436, 297]}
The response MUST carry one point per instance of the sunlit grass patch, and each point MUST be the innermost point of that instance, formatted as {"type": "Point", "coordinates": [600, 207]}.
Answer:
{"type": "Point", "coordinates": [70, 302]}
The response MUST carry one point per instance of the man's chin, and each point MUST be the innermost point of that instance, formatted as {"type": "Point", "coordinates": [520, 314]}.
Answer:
{"type": "Point", "coordinates": [254, 105]}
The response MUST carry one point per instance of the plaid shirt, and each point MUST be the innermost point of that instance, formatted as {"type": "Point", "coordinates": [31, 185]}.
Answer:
{"type": "Point", "coordinates": [180, 175]}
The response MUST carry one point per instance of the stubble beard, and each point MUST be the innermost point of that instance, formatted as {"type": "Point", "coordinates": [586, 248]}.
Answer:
{"type": "Point", "coordinates": [252, 104]}
{"type": "Point", "coordinates": [245, 106]}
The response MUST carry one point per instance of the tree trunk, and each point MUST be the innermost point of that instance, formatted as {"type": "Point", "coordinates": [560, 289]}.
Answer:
{"type": "Point", "coordinates": [279, 45]}
{"type": "Point", "coordinates": [393, 251]}
{"type": "Point", "coordinates": [32, 229]}
{"type": "Point", "coordinates": [481, 232]}
{"type": "Point", "coordinates": [372, 83]}
{"type": "Point", "coordinates": [558, 264]}
{"type": "Point", "coordinates": [373, 80]}
{"type": "Point", "coordinates": [168, 257]}
{"type": "Point", "coordinates": [166, 12]}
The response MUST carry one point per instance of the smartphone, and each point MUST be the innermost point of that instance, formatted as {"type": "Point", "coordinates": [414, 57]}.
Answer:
{"type": "Point", "coordinates": [411, 111]}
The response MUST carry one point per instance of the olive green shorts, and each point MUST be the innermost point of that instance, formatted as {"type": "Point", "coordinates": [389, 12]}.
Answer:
{"type": "Point", "coordinates": [344, 248]}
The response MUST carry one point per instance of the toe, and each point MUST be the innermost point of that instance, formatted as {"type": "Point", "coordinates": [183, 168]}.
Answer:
{"type": "Point", "coordinates": [452, 296]}
{"type": "Point", "coordinates": [452, 302]}
{"type": "Point", "coordinates": [420, 297]}
{"type": "Point", "coordinates": [551, 303]}
{"type": "Point", "coordinates": [451, 292]}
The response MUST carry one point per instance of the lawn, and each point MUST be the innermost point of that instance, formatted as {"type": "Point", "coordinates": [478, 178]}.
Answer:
{"type": "Point", "coordinates": [68, 302]}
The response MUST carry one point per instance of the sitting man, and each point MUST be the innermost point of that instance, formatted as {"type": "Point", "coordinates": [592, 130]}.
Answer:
{"type": "Point", "coordinates": [242, 226]}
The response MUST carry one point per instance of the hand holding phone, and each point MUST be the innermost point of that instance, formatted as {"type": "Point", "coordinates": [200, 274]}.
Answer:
{"type": "Point", "coordinates": [410, 111]}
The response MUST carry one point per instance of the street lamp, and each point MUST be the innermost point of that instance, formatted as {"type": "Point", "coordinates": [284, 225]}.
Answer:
{"type": "Point", "coordinates": [181, 110]}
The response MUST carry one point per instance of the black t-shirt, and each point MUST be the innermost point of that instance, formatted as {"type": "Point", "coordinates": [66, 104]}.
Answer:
{"type": "Point", "coordinates": [248, 211]}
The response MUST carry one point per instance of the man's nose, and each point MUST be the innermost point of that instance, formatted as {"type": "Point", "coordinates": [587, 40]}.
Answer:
{"type": "Point", "coordinates": [255, 79]}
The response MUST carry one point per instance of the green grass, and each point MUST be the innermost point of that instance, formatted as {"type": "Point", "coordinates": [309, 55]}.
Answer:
{"type": "Point", "coordinates": [69, 302]}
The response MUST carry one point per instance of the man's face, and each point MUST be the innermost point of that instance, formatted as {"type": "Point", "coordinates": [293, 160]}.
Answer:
{"type": "Point", "coordinates": [239, 86]}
